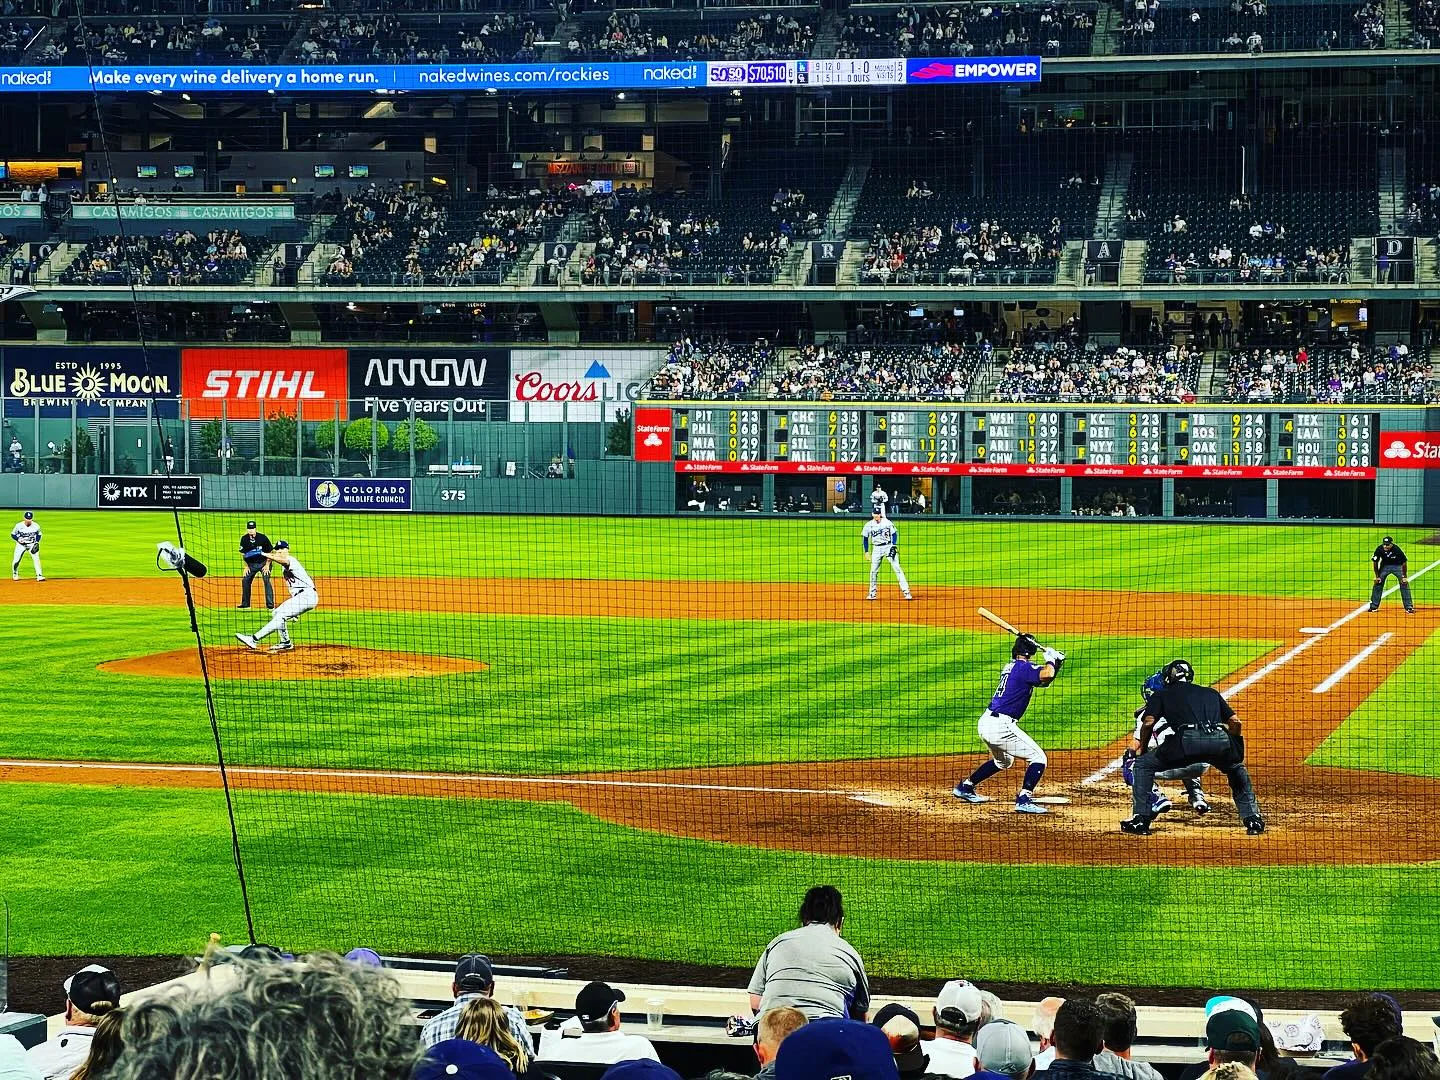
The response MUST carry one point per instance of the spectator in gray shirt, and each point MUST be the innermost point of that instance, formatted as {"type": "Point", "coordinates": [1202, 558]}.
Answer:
{"type": "Point", "coordinates": [813, 968]}
{"type": "Point", "coordinates": [1121, 1023]}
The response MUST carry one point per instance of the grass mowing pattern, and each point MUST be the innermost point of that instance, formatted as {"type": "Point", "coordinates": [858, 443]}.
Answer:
{"type": "Point", "coordinates": [153, 868]}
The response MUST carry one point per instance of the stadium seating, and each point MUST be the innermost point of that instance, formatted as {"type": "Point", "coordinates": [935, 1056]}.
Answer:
{"type": "Point", "coordinates": [1375, 375]}
{"type": "Point", "coordinates": [924, 231]}
{"type": "Point", "coordinates": [1425, 23]}
{"type": "Point", "coordinates": [1053, 29]}
{"type": "Point", "coordinates": [1158, 375]}
{"type": "Point", "coordinates": [742, 238]}
{"type": "Point", "coordinates": [220, 257]}
{"type": "Point", "coordinates": [711, 369]}
{"type": "Point", "coordinates": [17, 35]}
{"type": "Point", "coordinates": [1252, 26]}
{"type": "Point", "coordinates": [787, 33]}
{"type": "Point", "coordinates": [877, 373]}
{"type": "Point", "coordinates": [394, 237]}
{"type": "Point", "coordinates": [171, 41]}
{"type": "Point", "coordinates": [386, 37]}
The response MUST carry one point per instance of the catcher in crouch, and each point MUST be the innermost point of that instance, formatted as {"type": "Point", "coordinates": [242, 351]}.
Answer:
{"type": "Point", "coordinates": [1000, 729]}
{"type": "Point", "coordinates": [1204, 730]}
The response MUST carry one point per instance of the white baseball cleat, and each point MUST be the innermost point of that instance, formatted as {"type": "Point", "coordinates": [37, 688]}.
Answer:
{"type": "Point", "coordinates": [39, 577]}
{"type": "Point", "coordinates": [282, 646]}
{"type": "Point", "coordinates": [248, 641]}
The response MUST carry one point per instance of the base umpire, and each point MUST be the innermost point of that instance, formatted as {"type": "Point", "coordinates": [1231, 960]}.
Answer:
{"type": "Point", "coordinates": [1206, 730]}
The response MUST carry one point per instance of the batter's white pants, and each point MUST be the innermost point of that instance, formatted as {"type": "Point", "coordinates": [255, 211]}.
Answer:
{"type": "Point", "coordinates": [292, 608]}
{"type": "Point", "coordinates": [1007, 742]}
{"type": "Point", "coordinates": [20, 550]}
{"type": "Point", "coordinates": [875, 560]}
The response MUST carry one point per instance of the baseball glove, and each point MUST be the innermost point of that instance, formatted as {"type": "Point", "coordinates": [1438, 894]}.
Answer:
{"type": "Point", "coordinates": [35, 548]}
{"type": "Point", "coordinates": [1127, 766]}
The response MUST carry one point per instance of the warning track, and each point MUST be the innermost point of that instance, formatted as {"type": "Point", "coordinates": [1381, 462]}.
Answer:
{"type": "Point", "coordinates": [901, 807]}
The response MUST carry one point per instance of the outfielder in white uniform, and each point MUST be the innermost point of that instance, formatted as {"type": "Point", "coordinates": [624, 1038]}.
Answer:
{"type": "Point", "coordinates": [26, 535]}
{"type": "Point", "coordinates": [881, 539]}
{"type": "Point", "coordinates": [303, 598]}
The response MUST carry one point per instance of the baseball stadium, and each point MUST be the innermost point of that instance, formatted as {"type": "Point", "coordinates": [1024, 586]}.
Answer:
{"type": "Point", "coordinates": [968, 473]}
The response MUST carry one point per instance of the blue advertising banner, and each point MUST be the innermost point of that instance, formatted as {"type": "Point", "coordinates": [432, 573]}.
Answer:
{"type": "Point", "coordinates": [357, 493]}
{"type": "Point", "coordinates": [54, 376]}
{"type": "Point", "coordinates": [658, 75]}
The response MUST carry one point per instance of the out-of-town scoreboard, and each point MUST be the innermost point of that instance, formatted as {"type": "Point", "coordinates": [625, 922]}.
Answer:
{"type": "Point", "coordinates": [1053, 441]}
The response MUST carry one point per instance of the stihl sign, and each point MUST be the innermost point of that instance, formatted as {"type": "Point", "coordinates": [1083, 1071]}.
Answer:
{"type": "Point", "coordinates": [237, 382]}
{"type": "Point", "coordinates": [1410, 450]}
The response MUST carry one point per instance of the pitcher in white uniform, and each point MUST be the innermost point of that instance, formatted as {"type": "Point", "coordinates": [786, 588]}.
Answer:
{"type": "Point", "coordinates": [882, 540]}
{"type": "Point", "coordinates": [303, 598]}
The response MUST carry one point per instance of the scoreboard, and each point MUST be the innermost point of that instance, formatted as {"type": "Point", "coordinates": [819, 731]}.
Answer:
{"type": "Point", "coordinates": [1054, 440]}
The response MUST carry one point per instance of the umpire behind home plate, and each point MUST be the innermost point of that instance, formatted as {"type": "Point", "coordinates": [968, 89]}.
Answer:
{"type": "Point", "coordinates": [1205, 730]}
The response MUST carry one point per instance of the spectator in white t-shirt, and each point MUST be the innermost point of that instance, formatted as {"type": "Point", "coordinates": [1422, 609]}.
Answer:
{"type": "Point", "coordinates": [90, 993]}
{"type": "Point", "coordinates": [593, 1034]}
{"type": "Point", "coordinates": [14, 1062]}
{"type": "Point", "coordinates": [960, 1012]}
{"type": "Point", "coordinates": [1043, 1025]}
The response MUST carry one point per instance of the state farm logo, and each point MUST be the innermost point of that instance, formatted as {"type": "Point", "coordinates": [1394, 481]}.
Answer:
{"type": "Point", "coordinates": [652, 434]}
{"type": "Point", "coordinates": [1411, 450]}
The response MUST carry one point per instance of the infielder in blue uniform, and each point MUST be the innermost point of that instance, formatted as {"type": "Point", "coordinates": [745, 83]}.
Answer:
{"type": "Point", "coordinates": [1188, 775]}
{"type": "Point", "coordinates": [1000, 728]}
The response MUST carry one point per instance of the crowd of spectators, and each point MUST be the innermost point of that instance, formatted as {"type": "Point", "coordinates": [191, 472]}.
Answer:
{"type": "Point", "coordinates": [1425, 23]}
{"type": "Point", "coordinates": [812, 1016]}
{"type": "Point", "coordinates": [962, 252]}
{"type": "Point", "coordinates": [988, 29]}
{"type": "Point", "coordinates": [173, 257]}
{"type": "Point", "coordinates": [383, 37]}
{"type": "Point", "coordinates": [762, 36]}
{"type": "Point", "coordinates": [1335, 376]}
{"type": "Point", "coordinates": [877, 373]}
{"type": "Point", "coordinates": [15, 38]}
{"type": "Point", "coordinates": [1167, 374]}
{"type": "Point", "coordinates": [1115, 502]}
{"type": "Point", "coordinates": [707, 368]}
{"type": "Point", "coordinates": [148, 41]}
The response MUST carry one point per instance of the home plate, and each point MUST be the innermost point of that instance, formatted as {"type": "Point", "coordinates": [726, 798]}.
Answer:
{"type": "Point", "coordinates": [1314, 629]}
{"type": "Point", "coordinates": [873, 800]}
{"type": "Point", "coordinates": [1052, 800]}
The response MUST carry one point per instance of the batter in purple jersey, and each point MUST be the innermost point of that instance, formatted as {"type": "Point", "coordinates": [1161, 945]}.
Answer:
{"type": "Point", "coordinates": [1000, 730]}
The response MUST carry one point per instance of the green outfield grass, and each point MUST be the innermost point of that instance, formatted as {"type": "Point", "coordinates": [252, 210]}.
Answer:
{"type": "Point", "coordinates": [155, 877]}
{"type": "Point", "coordinates": [1262, 560]}
{"type": "Point", "coordinates": [1385, 732]}
{"type": "Point", "coordinates": [563, 695]}
{"type": "Point", "coordinates": [121, 870]}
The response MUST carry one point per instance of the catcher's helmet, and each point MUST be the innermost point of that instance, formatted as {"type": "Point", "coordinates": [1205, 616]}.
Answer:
{"type": "Point", "coordinates": [1153, 684]}
{"type": "Point", "coordinates": [1178, 671]}
{"type": "Point", "coordinates": [1025, 646]}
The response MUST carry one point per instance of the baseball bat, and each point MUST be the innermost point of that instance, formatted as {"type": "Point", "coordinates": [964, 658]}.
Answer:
{"type": "Point", "coordinates": [986, 613]}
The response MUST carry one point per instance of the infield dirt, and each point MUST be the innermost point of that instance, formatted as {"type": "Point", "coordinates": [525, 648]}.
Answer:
{"type": "Point", "coordinates": [900, 808]}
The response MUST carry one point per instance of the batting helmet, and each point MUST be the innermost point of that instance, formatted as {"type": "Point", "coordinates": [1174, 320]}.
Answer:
{"type": "Point", "coordinates": [1178, 671]}
{"type": "Point", "coordinates": [1025, 646]}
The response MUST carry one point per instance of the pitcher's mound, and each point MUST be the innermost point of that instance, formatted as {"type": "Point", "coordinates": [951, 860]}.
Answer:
{"type": "Point", "coordinates": [302, 662]}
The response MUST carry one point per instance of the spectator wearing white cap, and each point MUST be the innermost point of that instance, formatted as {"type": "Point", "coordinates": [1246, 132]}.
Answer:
{"type": "Point", "coordinates": [959, 1014]}
{"type": "Point", "coordinates": [1043, 1024]}
{"type": "Point", "coordinates": [90, 993]}
{"type": "Point", "coordinates": [1004, 1052]}
{"type": "Point", "coordinates": [593, 1034]}
{"type": "Point", "coordinates": [1303, 1037]}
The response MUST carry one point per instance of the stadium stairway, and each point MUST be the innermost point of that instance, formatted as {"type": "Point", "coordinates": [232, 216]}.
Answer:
{"type": "Point", "coordinates": [827, 36]}
{"type": "Point", "coordinates": [1132, 262]}
{"type": "Point", "coordinates": [1107, 18]}
{"type": "Point", "coordinates": [1397, 24]}
{"type": "Point", "coordinates": [1114, 196]}
{"type": "Point", "coordinates": [1393, 190]}
{"type": "Point", "coordinates": [60, 259]}
{"type": "Point", "coordinates": [312, 269]}
{"type": "Point", "coordinates": [1213, 376]}
{"type": "Point", "coordinates": [848, 272]}
{"type": "Point", "coordinates": [1362, 260]}
{"type": "Point", "coordinates": [1426, 252]}
{"type": "Point", "coordinates": [1072, 264]}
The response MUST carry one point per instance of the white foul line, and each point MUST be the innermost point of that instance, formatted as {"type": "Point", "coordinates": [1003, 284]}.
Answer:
{"type": "Point", "coordinates": [1392, 590]}
{"type": "Point", "coordinates": [1350, 665]}
{"type": "Point", "coordinates": [445, 778]}
{"type": "Point", "coordinates": [1255, 676]}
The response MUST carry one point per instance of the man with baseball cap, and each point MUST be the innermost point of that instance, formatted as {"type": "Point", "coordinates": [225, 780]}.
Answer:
{"type": "Point", "coordinates": [1233, 1035]}
{"type": "Point", "coordinates": [1389, 559]}
{"type": "Point", "coordinates": [253, 546]}
{"type": "Point", "coordinates": [90, 993]}
{"type": "Point", "coordinates": [474, 977]}
{"type": "Point", "coordinates": [830, 1048]}
{"type": "Point", "coordinates": [1004, 1051]}
{"type": "Point", "coordinates": [593, 1034]}
{"type": "Point", "coordinates": [959, 1014]}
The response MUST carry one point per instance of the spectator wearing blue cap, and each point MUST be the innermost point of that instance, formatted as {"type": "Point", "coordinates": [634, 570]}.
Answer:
{"type": "Point", "coordinates": [830, 1048]}
{"type": "Point", "coordinates": [474, 977]}
{"type": "Point", "coordinates": [460, 1059]}
{"type": "Point", "coordinates": [640, 1069]}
